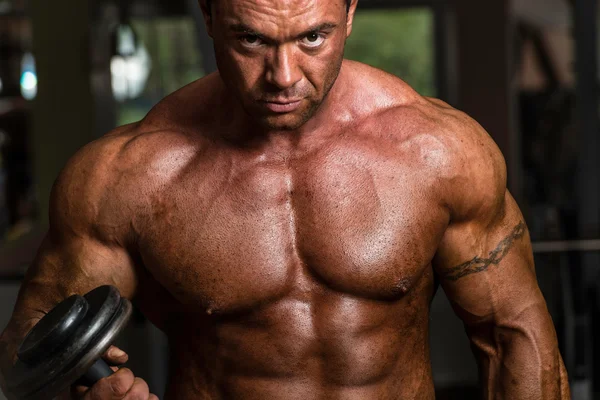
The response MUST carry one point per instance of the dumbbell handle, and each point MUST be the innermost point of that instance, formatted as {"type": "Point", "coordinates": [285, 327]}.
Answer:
{"type": "Point", "coordinates": [99, 370]}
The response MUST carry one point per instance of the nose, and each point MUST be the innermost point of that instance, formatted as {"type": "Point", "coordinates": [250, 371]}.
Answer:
{"type": "Point", "coordinates": [283, 71]}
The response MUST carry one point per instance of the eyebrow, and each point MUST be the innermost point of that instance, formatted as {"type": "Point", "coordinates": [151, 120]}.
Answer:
{"type": "Point", "coordinates": [241, 28]}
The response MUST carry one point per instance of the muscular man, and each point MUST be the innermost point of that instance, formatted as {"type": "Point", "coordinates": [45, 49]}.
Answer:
{"type": "Point", "coordinates": [282, 221]}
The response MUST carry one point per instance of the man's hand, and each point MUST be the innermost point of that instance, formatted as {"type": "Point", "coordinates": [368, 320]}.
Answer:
{"type": "Point", "coordinates": [122, 385]}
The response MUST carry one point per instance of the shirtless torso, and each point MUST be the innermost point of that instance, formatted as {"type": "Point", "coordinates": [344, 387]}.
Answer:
{"type": "Point", "coordinates": [301, 266]}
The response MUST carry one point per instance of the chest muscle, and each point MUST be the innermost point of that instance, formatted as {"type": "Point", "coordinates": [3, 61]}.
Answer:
{"type": "Point", "coordinates": [364, 228]}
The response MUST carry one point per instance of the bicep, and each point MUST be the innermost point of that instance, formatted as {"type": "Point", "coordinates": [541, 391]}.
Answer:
{"type": "Point", "coordinates": [75, 266]}
{"type": "Point", "coordinates": [486, 267]}
{"type": "Point", "coordinates": [86, 243]}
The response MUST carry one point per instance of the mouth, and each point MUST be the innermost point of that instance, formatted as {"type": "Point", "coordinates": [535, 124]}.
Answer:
{"type": "Point", "coordinates": [282, 106]}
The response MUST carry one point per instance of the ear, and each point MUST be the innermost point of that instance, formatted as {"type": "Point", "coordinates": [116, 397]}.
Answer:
{"type": "Point", "coordinates": [350, 18]}
{"type": "Point", "coordinates": [207, 16]}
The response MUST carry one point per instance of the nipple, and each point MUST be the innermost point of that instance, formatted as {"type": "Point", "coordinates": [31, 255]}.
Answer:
{"type": "Point", "coordinates": [402, 286]}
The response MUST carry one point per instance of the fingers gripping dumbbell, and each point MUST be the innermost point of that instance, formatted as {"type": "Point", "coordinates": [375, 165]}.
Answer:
{"type": "Point", "coordinates": [66, 345]}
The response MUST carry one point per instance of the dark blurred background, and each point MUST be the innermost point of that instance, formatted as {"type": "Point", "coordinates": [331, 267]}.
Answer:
{"type": "Point", "coordinates": [527, 70]}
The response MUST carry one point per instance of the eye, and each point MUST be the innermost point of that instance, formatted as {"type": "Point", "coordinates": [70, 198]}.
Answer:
{"type": "Point", "coordinates": [251, 41]}
{"type": "Point", "coordinates": [313, 39]}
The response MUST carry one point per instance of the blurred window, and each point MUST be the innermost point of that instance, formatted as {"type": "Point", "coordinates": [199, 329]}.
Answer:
{"type": "Point", "coordinates": [400, 41]}
{"type": "Point", "coordinates": [559, 168]}
{"type": "Point", "coordinates": [175, 58]}
{"type": "Point", "coordinates": [548, 131]}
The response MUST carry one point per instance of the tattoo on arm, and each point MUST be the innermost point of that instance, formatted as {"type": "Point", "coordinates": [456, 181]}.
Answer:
{"type": "Point", "coordinates": [479, 264]}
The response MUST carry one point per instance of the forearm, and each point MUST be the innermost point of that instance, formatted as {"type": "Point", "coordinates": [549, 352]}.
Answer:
{"type": "Point", "coordinates": [10, 340]}
{"type": "Point", "coordinates": [6, 360]}
{"type": "Point", "coordinates": [35, 299]}
{"type": "Point", "coordinates": [24, 318]}
{"type": "Point", "coordinates": [9, 343]}
{"type": "Point", "coordinates": [521, 362]}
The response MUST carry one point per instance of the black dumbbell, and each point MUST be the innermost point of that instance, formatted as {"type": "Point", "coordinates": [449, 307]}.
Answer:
{"type": "Point", "coordinates": [66, 345]}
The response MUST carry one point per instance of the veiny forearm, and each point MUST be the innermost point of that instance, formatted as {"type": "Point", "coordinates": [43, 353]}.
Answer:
{"type": "Point", "coordinates": [10, 340]}
{"type": "Point", "coordinates": [35, 300]}
{"type": "Point", "coordinates": [9, 343]}
{"type": "Point", "coordinates": [520, 359]}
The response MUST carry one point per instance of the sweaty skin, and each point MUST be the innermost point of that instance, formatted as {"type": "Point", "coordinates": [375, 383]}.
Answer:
{"type": "Point", "coordinates": [293, 255]}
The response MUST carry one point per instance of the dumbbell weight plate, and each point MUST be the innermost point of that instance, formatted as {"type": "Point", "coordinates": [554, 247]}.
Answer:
{"type": "Point", "coordinates": [107, 316]}
{"type": "Point", "coordinates": [94, 352]}
{"type": "Point", "coordinates": [53, 330]}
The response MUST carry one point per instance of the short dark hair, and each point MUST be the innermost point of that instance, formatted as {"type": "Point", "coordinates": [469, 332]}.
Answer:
{"type": "Point", "coordinates": [209, 4]}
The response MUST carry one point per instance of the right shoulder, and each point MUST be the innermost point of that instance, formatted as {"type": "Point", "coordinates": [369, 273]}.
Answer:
{"type": "Point", "coordinates": [108, 182]}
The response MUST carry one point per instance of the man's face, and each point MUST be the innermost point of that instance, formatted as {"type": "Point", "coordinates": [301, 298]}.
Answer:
{"type": "Point", "coordinates": [279, 57]}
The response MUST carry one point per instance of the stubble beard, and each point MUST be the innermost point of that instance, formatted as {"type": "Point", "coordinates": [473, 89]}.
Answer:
{"type": "Point", "coordinates": [272, 123]}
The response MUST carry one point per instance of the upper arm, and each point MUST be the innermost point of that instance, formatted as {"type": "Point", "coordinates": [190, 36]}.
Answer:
{"type": "Point", "coordinates": [484, 260]}
{"type": "Point", "coordinates": [87, 242]}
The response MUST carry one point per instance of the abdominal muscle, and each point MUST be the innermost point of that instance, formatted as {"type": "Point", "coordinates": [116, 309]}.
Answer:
{"type": "Point", "coordinates": [297, 350]}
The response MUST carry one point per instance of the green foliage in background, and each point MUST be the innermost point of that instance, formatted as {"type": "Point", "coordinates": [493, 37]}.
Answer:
{"type": "Point", "coordinates": [398, 41]}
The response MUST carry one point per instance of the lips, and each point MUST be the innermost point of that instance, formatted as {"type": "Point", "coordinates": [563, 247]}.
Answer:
{"type": "Point", "coordinates": [282, 106]}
